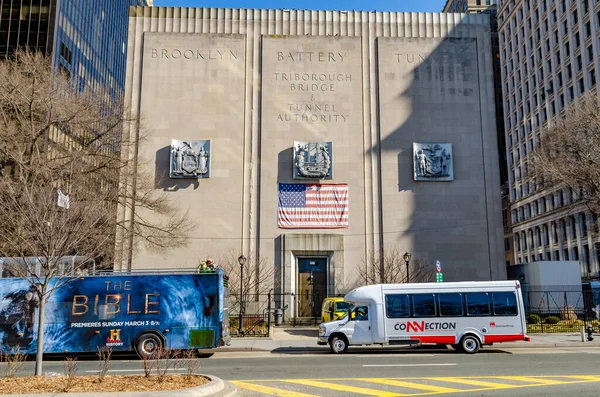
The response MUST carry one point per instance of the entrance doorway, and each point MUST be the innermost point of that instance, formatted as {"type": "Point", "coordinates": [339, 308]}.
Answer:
{"type": "Point", "coordinates": [312, 286]}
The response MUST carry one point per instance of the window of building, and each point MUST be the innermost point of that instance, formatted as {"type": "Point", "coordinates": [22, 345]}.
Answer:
{"type": "Point", "coordinates": [581, 86]}
{"type": "Point", "coordinates": [590, 52]}
{"type": "Point", "coordinates": [588, 29]}
{"type": "Point", "coordinates": [577, 39]}
{"type": "Point", "coordinates": [579, 62]}
{"type": "Point", "coordinates": [584, 229]}
{"type": "Point", "coordinates": [559, 199]}
{"type": "Point", "coordinates": [592, 78]}
{"type": "Point", "coordinates": [571, 93]}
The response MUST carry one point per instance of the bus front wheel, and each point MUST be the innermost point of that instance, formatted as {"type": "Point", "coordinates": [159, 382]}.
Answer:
{"type": "Point", "coordinates": [469, 344]}
{"type": "Point", "coordinates": [147, 345]}
{"type": "Point", "coordinates": [338, 345]}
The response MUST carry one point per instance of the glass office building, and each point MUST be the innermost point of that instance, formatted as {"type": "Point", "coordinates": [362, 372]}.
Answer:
{"type": "Point", "coordinates": [86, 38]}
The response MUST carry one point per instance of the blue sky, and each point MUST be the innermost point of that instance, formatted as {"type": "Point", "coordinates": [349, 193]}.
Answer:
{"type": "Point", "coordinates": [379, 5]}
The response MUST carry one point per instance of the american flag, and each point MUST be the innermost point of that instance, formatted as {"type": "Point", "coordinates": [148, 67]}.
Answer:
{"type": "Point", "coordinates": [312, 206]}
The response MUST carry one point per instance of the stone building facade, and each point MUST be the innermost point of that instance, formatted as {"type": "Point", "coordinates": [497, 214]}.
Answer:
{"type": "Point", "coordinates": [404, 103]}
{"type": "Point", "coordinates": [550, 52]}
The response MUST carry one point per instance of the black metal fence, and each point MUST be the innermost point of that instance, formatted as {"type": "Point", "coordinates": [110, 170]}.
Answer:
{"type": "Point", "coordinates": [548, 310]}
{"type": "Point", "coordinates": [557, 310]}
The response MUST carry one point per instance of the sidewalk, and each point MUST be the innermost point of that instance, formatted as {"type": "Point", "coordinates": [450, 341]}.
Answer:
{"type": "Point", "coordinates": [304, 339]}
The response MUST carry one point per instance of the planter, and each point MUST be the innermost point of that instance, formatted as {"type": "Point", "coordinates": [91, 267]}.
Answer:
{"type": "Point", "coordinates": [214, 386]}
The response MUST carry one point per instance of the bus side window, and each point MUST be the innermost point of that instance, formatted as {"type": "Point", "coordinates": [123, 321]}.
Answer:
{"type": "Point", "coordinates": [478, 304]}
{"type": "Point", "coordinates": [397, 306]}
{"type": "Point", "coordinates": [450, 305]}
{"type": "Point", "coordinates": [505, 303]}
{"type": "Point", "coordinates": [423, 305]}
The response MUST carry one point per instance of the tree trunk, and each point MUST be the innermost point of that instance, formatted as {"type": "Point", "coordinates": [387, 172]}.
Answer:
{"type": "Point", "coordinates": [39, 356]}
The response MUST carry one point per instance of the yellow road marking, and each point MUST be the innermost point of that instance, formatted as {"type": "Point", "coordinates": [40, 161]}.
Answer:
{"type": "Point", "coordinates": [418, 386]}
{"type": "Point", "coordinates": [530, 379]}
{"type": "Point", "coordinates": [346, 388]}
{"type": "Point", "coordinates": [473, 382]}
{"type": "Point", "coordinates": [271, 390]}
{"type": "Point", "coordinates": [592, 378]}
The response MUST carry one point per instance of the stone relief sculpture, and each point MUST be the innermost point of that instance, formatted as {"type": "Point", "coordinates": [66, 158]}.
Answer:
{"type": "Point", "coordinates": [312, 160]}
{"type": "Point", "coordinates": [433, 162]}
{"type": "Point", "coordinates": [190, 159]}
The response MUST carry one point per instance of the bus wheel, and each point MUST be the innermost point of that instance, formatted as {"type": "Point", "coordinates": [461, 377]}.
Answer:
{"type": "Point", "coordinates": [147, 345]}
{"type": "Point", "coordinates": [469, 344]}
{"type": "Point", "coordinates": [458, 348]}
{"type": "Point", "coordinates": [338, 345]}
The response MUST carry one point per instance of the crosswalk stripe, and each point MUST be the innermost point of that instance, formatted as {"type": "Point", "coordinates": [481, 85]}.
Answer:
{"type": "Point", "coordinates": [474, 382]}
{"type": "Point", "coordinates": [346, 388]}
{"type": "Point", "coordinates": [270, 390]}
{"type": "Point", "coordinates": [418, 386]}
{"type": "Point", "coordinates": [529, 379]}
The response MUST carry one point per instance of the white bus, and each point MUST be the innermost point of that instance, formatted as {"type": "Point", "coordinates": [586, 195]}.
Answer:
{"type": "Point", "coordinates": [466, 315]}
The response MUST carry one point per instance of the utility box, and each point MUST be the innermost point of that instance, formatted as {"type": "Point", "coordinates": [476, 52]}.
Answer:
{"type": "Point", "coordinates": [549, 285]}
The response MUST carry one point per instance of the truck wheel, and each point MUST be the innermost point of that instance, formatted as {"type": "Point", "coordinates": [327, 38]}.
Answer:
{"type": "Point", "coordinates": [469, 344]}
{"type": "Point", "coordinates": [338, 345]}
{"type": "Point", "coordinates": [147, 345]}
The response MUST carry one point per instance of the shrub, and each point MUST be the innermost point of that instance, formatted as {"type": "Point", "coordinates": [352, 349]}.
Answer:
{"type": "Point", "coordinates": [568, 314]}
{"type": "Point", "coordinates": [552, 320]}
{"type": "Point", "coordinates": [533, 319]}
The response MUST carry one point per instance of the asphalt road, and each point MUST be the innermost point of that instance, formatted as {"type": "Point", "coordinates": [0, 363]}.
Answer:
{"type": "Point", "coordinates": [491, 372]}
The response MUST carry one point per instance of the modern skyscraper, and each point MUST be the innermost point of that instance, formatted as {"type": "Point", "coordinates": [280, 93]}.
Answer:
{"type": "Point", "coordinates": [88, 39]}
{"type": "Point", "coordinates": [549, 56]}
{"type": "Point", "coordinates": [490, 7]}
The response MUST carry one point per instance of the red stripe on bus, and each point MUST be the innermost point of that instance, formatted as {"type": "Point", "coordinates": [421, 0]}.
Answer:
{"type": "Point", "coordinates": [449, 340]}
{"type": "Point", "coordinates": [502, 338]}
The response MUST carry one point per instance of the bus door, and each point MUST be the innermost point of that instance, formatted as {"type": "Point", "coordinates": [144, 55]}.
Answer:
{"type": "Point", "coordinates": [359, 325]}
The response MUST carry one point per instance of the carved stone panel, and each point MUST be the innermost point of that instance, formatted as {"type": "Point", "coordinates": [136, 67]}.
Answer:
{"type": "Point", "coordinates": [190, 159]}
{"type": "Point", "coordinates": [433, 162]}
{"type": "Point", "coordinates": [313, 160]}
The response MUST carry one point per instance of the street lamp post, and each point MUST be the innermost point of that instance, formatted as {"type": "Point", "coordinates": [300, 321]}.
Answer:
{"type": "Point", "coordinates": [241, 261]}
{"type": "Point", "coordinates": [407, 259]}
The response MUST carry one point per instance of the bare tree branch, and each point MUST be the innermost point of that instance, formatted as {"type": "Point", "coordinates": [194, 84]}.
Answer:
{"type": "Point", "coordinates": [569, 153]}
{"type": "Point", "coordinates": [55, 137]}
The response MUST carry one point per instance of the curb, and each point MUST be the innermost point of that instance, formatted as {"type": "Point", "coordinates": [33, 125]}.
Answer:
{"type": "Point", "coordinates": [215, 385]}
{"type": "Point", "coordinates": [524, 345]}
